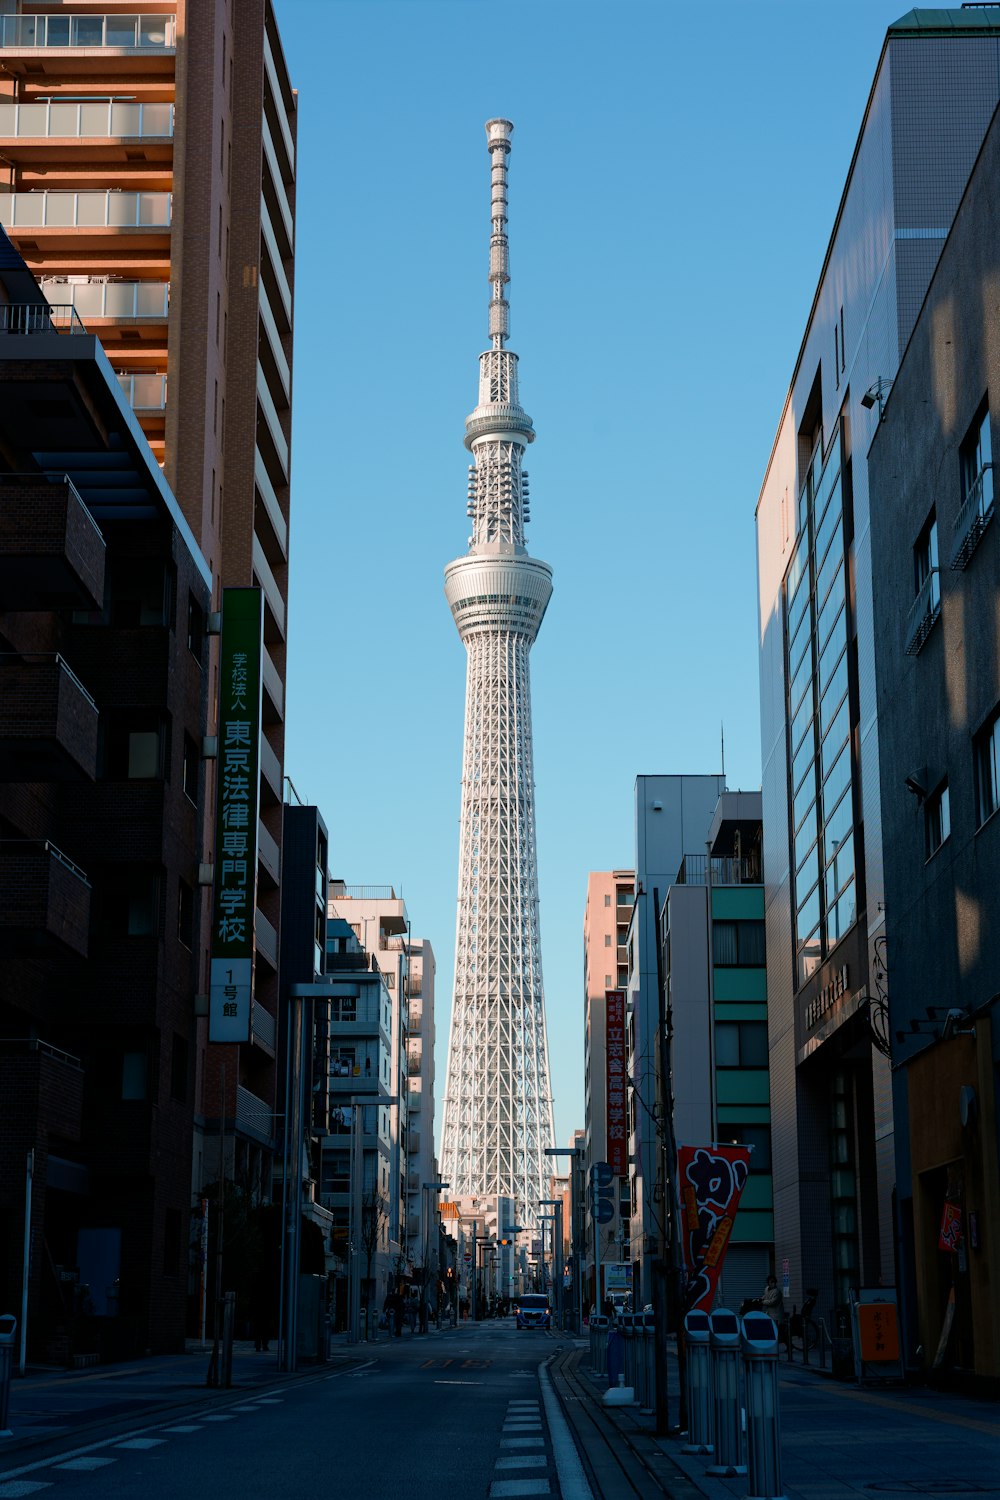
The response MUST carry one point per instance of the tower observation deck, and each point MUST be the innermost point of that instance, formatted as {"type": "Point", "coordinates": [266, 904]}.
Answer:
{"type": "Point", "coordinates": [498, 1104]}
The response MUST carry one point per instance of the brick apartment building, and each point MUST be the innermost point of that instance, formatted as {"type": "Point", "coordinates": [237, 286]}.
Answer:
{"type": "Point", "coordinates": [103, 698]}
{"type": "Point", "coordinates": [122, 190]}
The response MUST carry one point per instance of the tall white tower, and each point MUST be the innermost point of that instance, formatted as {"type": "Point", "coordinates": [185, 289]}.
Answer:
{"type": "Point", "coordinates": [498, 1106]}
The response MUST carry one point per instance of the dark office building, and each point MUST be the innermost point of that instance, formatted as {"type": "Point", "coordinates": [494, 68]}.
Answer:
{"type": "Point", "coordinates": [936, 555]}
{"type": "Point", "coordinates": [103, 693]}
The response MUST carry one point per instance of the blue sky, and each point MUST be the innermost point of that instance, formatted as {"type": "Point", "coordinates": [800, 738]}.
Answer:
{"type": "Point", "coordinates": [673, 183]}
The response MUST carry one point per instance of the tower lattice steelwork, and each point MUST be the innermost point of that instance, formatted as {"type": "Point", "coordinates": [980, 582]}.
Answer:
{"type": "Point", "coordinates": [498, 1106]}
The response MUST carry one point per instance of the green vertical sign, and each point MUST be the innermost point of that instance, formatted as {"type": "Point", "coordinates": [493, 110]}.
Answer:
{"type": "Point", "coordinates": [236, 812]}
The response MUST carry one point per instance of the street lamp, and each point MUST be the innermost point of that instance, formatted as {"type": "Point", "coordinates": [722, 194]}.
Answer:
{"type": "Point", "coordinates": [427, 1187]}
{"type": "Point", "coordinates": [556, 1203]}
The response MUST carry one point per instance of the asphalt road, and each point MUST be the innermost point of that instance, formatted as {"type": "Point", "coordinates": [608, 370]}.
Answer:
{"type": "Point", "coordinates": [424, 1416]}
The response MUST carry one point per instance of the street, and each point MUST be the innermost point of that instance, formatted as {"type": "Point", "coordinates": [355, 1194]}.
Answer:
{"type": "Point", "coordinates": [411, 1417]}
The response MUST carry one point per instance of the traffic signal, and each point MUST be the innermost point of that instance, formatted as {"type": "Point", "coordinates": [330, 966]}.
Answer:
{"type": "Point", "coordinates": [602, 1186]}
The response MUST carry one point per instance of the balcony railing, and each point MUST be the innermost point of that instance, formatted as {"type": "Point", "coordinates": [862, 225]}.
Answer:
{"type": "Point", "coordinates": [52, 209]}
{"type": "Point", "coordinates": [341, 892]}
{"type": "Point", "coordinates": [923, 613]}
{"type": "Point", "coordinates": [252, 1114]}
{"type": "Point", "coordinates": [35, 317]}
{"type": "Point", "coordinates": [103, 118]}
{"type": "Point", "coordinates": [145, 391]}
{"type": "Point", "coordinates": [110, 299]}
{"type": "Point", "coordinates": [973, 519]}
{"type": "Point", "coordinates": [88, 31]}
{"type": "Point", "coordinates": [724, 871]}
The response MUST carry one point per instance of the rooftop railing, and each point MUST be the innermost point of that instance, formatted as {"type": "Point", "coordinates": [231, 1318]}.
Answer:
{"type": "Point", "coordinates": [60, 662]}
{"type": "Point", "coordinates": [52, 209]}
{"type": "Point", "coordinates": [111, 299]}
{"type": "Point", "coordinates": [9, 1044]}
{"type": "Point", "coordinates": [39, 317]}
{"type": "Point", "coordinates": [49, 848]}
{"type": "Point", "coordinates": [96, 119]}
{"type": "Point", "coordinates": [923, 613]}
{"type": "Point", "coordinates": [88, 31]}
{"type": "Point", "coordinates": [973, 518]}
{"type": "Point", "coordinates": [341, 892]}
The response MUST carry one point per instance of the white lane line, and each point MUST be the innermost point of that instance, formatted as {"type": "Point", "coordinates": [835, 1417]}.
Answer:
{"type": "Point", "coordinates": [21, 1487]}
{"type": "Point", "coordinates": [522, 1461]}
{"type": "Point", "coordinates": [337, 1374]}
{"type": "Point", "coordinates": [93, 1462]}
{"type": "Point", "coordinates": [185, 1427]}
{"type": "Point", "coordinates": [460, 1382]}
{"type": "Point", "coordinates": [243, 1408]}
{"type": "Point", "coordinates": [572, 1480]}
{"type": "Point", "coordinates": [141, 1443]}
{"type": "Point", "coordinates": [216, 1416]}
{"type": "Point", "coordinates": [522, 1442]}
{"type": "Point", "coordinates": [501, 1487]}
{"type": "Point", "coordinates": [274, 1400]}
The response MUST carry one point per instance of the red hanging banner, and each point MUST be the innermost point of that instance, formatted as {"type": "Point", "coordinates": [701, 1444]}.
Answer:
{"type": "Point", "coordinates": [710, 1181]}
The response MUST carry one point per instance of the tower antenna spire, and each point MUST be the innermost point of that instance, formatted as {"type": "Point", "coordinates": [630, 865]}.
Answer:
{"type": "Point", "coordinates": [498, 133]}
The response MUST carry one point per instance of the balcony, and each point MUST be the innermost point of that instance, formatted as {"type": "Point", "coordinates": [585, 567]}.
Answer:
{"type": "Point", "coordinates": [265, 940]}
{"type": "Point", "coordinates": [923, 614]}
{"type": "Point", "coordinates": [270, 768]}
{"type": "Point", "coordinates": [263, 1030]}
{"type": "Point", "coordinates": [44, 898]}
{"type": "Point", "coordinates": [122, 301]}
{"type": "Point", "coordinates": [102, 119]}
{"type": "Point", "coordinates": [52, 209]}
{"type": "Point", "coordinates": [694, 871]}
{"type": "Point", "coordinates": [274, 696]}
{"type": "Point", "coordinates": [48, 721]}
{"type": "Point", "coordinates": [22, 33]}
{"type": "Point", "coordinates": [144, 390]}
{"type": "Point", "coordinates": [51, 550]}
{"type": "Point", "coordinates": [973, 518]}
{"type": "Point", "coordinates": [253, 1116]}
{"type": "Point", "coordinates": [268, 854]}
{"type": "Point", "coordinates": [48, 1085]}
{"type": "Point", "coordinates": [28, 318]}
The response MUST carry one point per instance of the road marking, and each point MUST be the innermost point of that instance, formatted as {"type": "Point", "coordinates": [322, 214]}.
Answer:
{"type": "Point", "coordinates": [244, 1408]}
{"type": "Point", "coordinates": [142, 1443]}
{"type": "Point", "coordinates": [358, 1370]}
{"type": "Point", "coordinates": [460, 1382]}
{"type": "Point", "coordinates": [522, 1461]}
{"type": "Point", "coordinates": [86, 1463]}
{"type": "Point", "coordinates": [522, 1442]}
{"type": "Point", "coordinates": [185, 1427]}
{"type": "Point", "coordinates": [19, 1487]}
{"type": "Point", "coordinates": [274, 1400]}
{"type": "Point", "coordinates": [215, 1416]}
{"type": "Point", "coordinates": [520, 1487]}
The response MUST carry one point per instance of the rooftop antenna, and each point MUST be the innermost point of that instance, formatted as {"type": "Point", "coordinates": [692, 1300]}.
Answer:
{"type": "Point", "coordinates": [722, 738]}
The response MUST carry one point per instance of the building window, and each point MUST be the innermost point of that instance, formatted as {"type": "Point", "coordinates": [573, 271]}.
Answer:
{"type": "Point", "coordinates": [336, 1169]}
{"type": "Point", "coordinates": [130, 902]}
{"type": "Point", "coordinates": [985, 749]}
{"type": "Point", "coordinates": [757, 1137]}
{"type": "Point", "coordinates": [738, 944]}
{"type": "Point", "coordinates": [135, 751]}
{"type": "Point", "coordinates": [608, 982]}
{"type": "Point", "coordinates": [134, 1071]}
{"type": "Point", "coordinates": [607, 900]}
{"type": "Point", "coordinates": [976, 454]}
{"type": "Point", "coordinates": [937, 819]}
{"type": "Point", "coordinates": [185, 914]}
{"type": "Point", "coordinates": [343, 1062]}
{"type": "Point", "coordinates": [925, 562]}
{"type": "Point", "coordinates": [741, 1044]}
{"type": "Point", "coordinates": [607, 940]}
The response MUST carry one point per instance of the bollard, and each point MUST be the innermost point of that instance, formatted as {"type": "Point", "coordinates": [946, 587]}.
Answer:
{"type": "Point", "coordinates": [759, 1346]}
{"type": "Point", "coordinates": [8, 1328]}
{"type": "Point", "coordinates": [727, 1426]}
{"type": "Point", "coordinates": [699, 1384]}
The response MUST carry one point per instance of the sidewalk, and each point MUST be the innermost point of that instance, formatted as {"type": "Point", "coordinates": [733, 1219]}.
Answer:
{"type": "Point", "coordinates": [839, 1441]}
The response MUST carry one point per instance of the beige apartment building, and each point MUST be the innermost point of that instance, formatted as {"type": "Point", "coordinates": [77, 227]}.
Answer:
{"type": "Point", "coordinates": [606, 917]}
{"type": "Point", "coordinates": [147, 176]}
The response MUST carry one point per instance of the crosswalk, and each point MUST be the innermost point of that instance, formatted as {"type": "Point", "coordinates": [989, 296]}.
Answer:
{"type": "Point", "coordinates": [523, 1466]}
{"type": "Point", "coordinates": [18, 1486]}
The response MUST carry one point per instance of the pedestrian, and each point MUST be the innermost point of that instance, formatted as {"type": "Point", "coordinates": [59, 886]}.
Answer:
{"type": "Point", "coordinates": [397, 1314]}
{"type": "Point", "coordinates": [772, 1302]}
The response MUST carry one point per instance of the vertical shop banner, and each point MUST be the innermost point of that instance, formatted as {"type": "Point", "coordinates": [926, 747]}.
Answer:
{"type": "Point", "coordinates": [236, 812]}
{"type": "Point", "coordinates": [710, 1182]}
{"type": "Point", "coordinates": [615, 1050]}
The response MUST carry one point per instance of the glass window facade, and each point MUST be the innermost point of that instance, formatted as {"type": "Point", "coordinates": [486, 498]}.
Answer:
{"type": "Point", "coordinates": [820, 750]}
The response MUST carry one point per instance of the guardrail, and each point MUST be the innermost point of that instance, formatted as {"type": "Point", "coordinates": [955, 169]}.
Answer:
{"type": "Point", "coordinates": [923, 613]}
{"type": "Point", "coordinates": [973, 518]}
{"type": "Point", "coordinates": [51, 209]}
{"type": "Point", "coordinates": [88, 31]}
{"type": "Point", "coordinates": [98, 118]}
{"type": "Point", "coordinates": [40, 317]}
